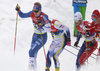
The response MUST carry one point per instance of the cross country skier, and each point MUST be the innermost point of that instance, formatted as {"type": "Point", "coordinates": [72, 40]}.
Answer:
{"type": "Point", "coordinates": [61, 38]}
{"type": "Point", "coordinates": [78, 22]}
{"type": "Point", "coordinates": [89, 45]}
{"type": "Point", "coordinates": [79, 6]}
{"type": "Point", "coordinates": [36, 15]}
{"type": "Point", "coordinates": [96, 21]}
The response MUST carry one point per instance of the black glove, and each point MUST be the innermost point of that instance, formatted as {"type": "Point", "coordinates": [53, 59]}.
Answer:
{"type": "Point", "coordinates": [76, 43]}
{"type": "Point", "coordinates": [40, 22]}
{"type": "Point", "coordinates": [17, 8]}
{"type": "Point", "coordinates": [91, 43]}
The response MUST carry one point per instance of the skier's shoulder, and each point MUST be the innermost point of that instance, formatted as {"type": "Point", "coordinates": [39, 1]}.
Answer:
{"type": "Point", "coordinates": [56, 22]}
{"type": "Point", "coordinates": [43, 14]}
{"type": "Point", "coordinates": [53, 21]}
{"type": "Point", "coordinates": [32, 14]}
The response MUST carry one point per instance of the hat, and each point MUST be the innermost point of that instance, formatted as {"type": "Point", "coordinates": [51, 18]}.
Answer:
{"type": "Point", "coordinates": [78, 16]}
{"type": "Point", "coordinates": [36, 6]}
{"type": "Point", "coordinates": [96, 14]}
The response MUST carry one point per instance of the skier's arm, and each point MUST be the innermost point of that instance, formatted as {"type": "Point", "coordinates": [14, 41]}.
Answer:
{"type": "Point", "coordinates": [79, 35]}
{"type": "Point", "coordinates": [24, 15]}
{"type": "Point", "coordinates": [47, 27]}
{"type": "Point", "coordinates": [45, 19]}
{"type": "Point", "coordinates": [46, 24]}
{"type": "Point", "coordinates": [60, 26]}
{"type": "Point", "coordinates": [68, 37]}
{"type": "Point", "coordinates": [21, 14]}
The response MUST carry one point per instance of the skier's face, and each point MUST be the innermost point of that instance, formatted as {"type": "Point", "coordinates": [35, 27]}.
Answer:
{"type": "Point", "coordinates": [77, 22]}
{"type": "Point", "coordinates": [36, 12]}
{"type": "Point", "coordinates": [96, 20]}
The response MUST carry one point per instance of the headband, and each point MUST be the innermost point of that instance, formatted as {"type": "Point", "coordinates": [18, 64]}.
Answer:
{"type": "Point", "coordinates": [38, 7]}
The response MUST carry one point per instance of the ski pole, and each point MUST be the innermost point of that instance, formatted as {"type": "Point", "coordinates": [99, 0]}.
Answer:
{"type": "Point", "coordinates": [98, 54]}
{"type": "Point", "coordinates": [70, 52]}
{"type": "Point", "coordinates": [74, 54]}
{"type": "Point", "coordinates": [15, 31]}
{"type": "Point", "coordinates": [43, 44]}
{"type": "Point", "coordinates": [78, 49]}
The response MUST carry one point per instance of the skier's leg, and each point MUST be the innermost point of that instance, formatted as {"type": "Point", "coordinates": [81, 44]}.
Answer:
{"type": "Point", "coordinates": [48, 64]}
{"type": "Point", "coordinates": [49, 55]}
{"type": "Point", "coordinates": [60, 44]}
{"type": "Point", "coordinates": [87, 53]}
{"type": "Point", "coordinates": [35, 46]}
{"type": "Point", "coordinates": [32, 64]}
{"type": "Point", "coordinates": [81, 51]}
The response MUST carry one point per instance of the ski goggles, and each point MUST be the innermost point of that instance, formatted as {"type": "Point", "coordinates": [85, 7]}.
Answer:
{"type": "Point", "coordinates": [94, 19]}
{"type": "Point", "coordinates": [76, 20]}
{"type": "Point", "coordinates": [35, 11]}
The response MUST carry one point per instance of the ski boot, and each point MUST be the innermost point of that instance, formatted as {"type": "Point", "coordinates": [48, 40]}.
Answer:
{"type": "Point", "coordinates": [57, 69]}
{"type": "Point", "coordinates": [47, 70]}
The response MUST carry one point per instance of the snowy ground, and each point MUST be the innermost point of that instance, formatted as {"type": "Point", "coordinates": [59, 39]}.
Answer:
{"type": "Point", "coordinates": [61, 10]}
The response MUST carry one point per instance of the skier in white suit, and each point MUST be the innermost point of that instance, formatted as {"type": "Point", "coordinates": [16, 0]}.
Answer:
{"type": "Point", "coordinates": [61, 38]}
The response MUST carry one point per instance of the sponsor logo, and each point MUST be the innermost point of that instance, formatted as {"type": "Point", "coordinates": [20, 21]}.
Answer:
{"type": "Point", "coordinates": [35, 5]}
{"type": "Point", "coordinates": [34, 19]}
{"type": "Point", "coordinates": [61, 26]}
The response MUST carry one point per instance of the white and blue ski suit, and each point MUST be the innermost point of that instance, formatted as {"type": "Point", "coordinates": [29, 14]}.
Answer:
{"type": "Point", "coordinates": [61, 36]}
{"type": "Point", "coordinates": [36, 43]}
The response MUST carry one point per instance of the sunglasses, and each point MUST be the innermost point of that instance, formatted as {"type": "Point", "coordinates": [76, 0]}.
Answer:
{"type": "Point", "coordinates": [94, 19]}
{"type": "Point", "coordinates": [76, 20]}
{"type": "Point", "coordinates": [35, 11]}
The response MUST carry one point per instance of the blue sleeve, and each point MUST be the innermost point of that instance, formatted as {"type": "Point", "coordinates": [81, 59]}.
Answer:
{"type": "Point", "coordinates": [79, 35]}
{"type": "Point", "coordinates": [68, 33]}
{"type": "Point", "coordinates": [45, 19]}
{"type": "Point", "coordinates": [24, 15]}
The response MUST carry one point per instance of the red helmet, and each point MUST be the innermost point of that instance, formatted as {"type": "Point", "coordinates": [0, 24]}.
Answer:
{"type": "Point", "coordinates": [95, 14]}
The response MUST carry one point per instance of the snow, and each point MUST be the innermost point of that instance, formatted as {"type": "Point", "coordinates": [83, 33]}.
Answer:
{"type": "Point", "coordinates": [61, 10]}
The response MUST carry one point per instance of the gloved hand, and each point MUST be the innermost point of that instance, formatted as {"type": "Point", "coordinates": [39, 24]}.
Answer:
{"type": "Point", "coordinates": [17, 8]}
{"type": "Point", "coordinates": [68, 42]}
{"type": "Point", "coordinates": [76, 43]}
{"type": "Point", "coordinates": [40, 22]}
{"type": "Point", "coordinates": [91, 43]}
